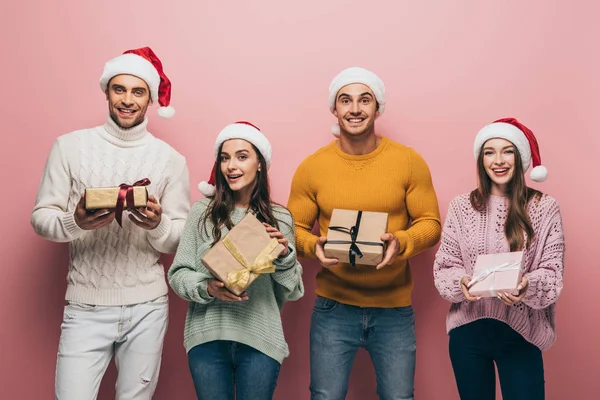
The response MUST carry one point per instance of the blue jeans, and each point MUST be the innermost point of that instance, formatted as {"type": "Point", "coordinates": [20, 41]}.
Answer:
{"type": "Point", "coordinates": [221, 368]}
{"type": "Point", "coordinates": [475, 347]}
{"type": "Point", "coordinates": [338, 330]}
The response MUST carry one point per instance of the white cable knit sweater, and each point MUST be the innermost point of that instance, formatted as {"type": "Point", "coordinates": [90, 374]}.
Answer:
{"type": "Point", "coordinates": [112, 265]}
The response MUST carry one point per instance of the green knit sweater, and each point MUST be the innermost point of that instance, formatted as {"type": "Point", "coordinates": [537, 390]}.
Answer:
{"type": "Point", "coordinates": [255, 322]}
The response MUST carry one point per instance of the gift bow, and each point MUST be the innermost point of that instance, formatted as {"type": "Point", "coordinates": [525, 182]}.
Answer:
{"type": "Point", "coordinates": [354, 250]}
{"type": "Point", "coordinates": [511, 265]}
{"type": "Point", "coordinates": [126, 193]}
{"type": "Point", "coordinates": [263, 263]}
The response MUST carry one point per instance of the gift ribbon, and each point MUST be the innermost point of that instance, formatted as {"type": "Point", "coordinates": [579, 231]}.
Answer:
{"type": "Point", "coordinates": [126, 193]}
{"type": "Point", "coordinates": [263, 263]}
{"type": "Point", "coordinates": [354, 250]}
{"type": "Point", "coordinates": [482, 275]}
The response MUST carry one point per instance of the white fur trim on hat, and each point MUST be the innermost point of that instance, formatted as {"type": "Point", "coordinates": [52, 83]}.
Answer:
{"type": "Point", "coordinates": [248, 133]}
{"type": "Point", "coordinates": [539, 174]}
{"type": "Point", "coordinates": [506, 131]}
{"type": "Point", "coordinates": [206, 189]}
{"type": "Point", "coordinates": [132, 64]}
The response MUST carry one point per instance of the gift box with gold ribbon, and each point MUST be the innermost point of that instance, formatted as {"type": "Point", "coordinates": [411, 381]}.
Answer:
{"type": "Point", "coordinates": [243, 254]}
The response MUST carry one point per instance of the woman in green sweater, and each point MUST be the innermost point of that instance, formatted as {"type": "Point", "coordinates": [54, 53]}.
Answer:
{"type": "Point", "coordinates": [235, 344]}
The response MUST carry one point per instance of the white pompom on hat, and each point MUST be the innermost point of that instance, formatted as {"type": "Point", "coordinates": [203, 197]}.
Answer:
{"type": "Point", "coordinates": [519, 135]}
{"type": "Point", "coordinates": [144, 64]}
{"type": "Point", "coordinates": [239, 130]}
{"type": "Point", "coordinates": [356, 75]}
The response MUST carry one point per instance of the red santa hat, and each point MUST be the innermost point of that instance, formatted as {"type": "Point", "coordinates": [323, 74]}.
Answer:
{"type": "Point", "coordinates": [239, 130]}
{"type": "Point", "coordinates": [519, 135]}
{"type": "Point", "coordinates": [144, 64]}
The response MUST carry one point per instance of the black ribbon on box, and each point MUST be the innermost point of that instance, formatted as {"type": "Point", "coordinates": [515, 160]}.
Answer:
{"type": "Point", "coordinates": [354, 250]}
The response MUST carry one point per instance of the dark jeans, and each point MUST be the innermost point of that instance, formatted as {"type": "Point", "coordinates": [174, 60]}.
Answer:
{"type": "Point", "coordinates": [475, 347]}
{"type": "Point", "coordinates": [221, 368]}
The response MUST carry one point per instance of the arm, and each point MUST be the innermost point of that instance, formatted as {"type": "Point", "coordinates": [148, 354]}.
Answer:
{"type": "Point", "coordinates": [448, 267]}
{"type": "Point", "coordinates": [51, 218]}
{"type": "Point", "coordinates": [175, 204]}
{"type": "Point", "coordinates": [303, 206]}
{"type": "Point", "coordinates": [545, 281]}
{"type": "Point", "coordinates": [288, 274]}
{"type": "Point", "coordinates": [187, 276]}
{"type": "Point", "coordinates": [422, 206]}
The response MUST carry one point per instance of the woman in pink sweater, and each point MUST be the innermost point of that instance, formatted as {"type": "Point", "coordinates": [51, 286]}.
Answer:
{"type": "Point", "coordinates": [502, 215]}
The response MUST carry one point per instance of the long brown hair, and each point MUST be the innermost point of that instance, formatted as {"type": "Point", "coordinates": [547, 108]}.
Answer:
{"type": "Point", "coordinates": [223, 203]}
{"type": "Point", "coordinates": [519, 195]}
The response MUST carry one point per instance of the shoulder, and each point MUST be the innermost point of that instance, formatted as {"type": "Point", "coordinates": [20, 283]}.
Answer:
{"type": "Point", "coordinates": [281, 213]}
{"type": "Point", "coordinates": [199, 208]}
{"type": "Point", "coordinates": [543, 206]}
{"type": "Point", "coordinates": [166, 150]}
{"type": "Point", "coordinates": [323, 154]}
{"type": "Point", "coordinates": [462, 202]}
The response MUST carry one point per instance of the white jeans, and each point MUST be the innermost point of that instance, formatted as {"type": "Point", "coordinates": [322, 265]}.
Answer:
{"type": "Point", "coordinates": [91, 335]}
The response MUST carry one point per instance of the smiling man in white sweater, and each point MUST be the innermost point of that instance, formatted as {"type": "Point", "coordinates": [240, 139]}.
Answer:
{"type": "Point", "coordinates": [116, 296]}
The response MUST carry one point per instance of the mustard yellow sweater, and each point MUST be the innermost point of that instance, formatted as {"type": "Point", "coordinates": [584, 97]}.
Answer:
{"type": "Point", "coordinates": [393, 179]}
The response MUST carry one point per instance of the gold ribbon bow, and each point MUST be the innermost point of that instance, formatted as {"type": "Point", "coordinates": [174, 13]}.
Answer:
{"type": "Point", "coordinates": [263, 264]}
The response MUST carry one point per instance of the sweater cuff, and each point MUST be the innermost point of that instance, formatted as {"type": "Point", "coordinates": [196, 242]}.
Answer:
{"type": "Point", "coordinates": [203, 292]}
{"type": "Point", "coordinates": [286, 262]}
{"type": "Point", "coordinates": [163, 228]}
{"type": "Point", "coordinates": [74, 230]}
{"type": "Point", "coordinates": [532, 284]}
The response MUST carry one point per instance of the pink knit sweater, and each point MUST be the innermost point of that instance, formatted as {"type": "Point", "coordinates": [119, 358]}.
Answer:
{"type": "Point", "coordinates": [468, 233]}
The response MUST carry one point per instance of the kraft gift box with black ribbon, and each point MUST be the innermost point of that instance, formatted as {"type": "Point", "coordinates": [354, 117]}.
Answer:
{"type": "Point", "coordinates": [243, 254]}
{"type": "Point", "coordinates": [496, 273]}
{"type": "Point", "coordinates": [354, 237]}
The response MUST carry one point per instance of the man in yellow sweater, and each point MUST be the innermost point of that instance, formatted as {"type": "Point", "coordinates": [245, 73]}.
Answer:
{"type": "Point", "coordinates": [363, 306]}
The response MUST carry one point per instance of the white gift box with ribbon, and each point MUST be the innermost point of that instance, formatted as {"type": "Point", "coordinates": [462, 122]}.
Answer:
{"type": "Point", "coordinates": [496, 273]}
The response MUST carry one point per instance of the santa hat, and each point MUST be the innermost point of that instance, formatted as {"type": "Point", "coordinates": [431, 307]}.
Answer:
{"type": "Point", "coordinates": [144, 64]}
{"type": "Point", "coordinates": [356, 75]}
{"type": "Point", "coordinates": [519, 135]}
{"type": "Point", "coordinates": [239, 130]}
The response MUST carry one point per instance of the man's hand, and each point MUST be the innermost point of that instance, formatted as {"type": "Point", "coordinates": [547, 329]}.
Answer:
{"type": "Point", "coordinates": [90, 220]}
{"type": "Point", "coordinates": [392, 247]}
{"type": "Point", "coordinates": [147, 217]}
{"type": "Point", "coordinates": [320, 253]}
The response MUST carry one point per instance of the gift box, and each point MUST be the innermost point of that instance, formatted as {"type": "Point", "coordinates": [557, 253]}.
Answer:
{"type": "Point", "coordinates": [245, 252]}
{"type": "Point", "coordinates": [496, 273]}
{"type": "Point", "coordinates": [355, 236]}
{"type": "Point", "coordinates": [98, 198]}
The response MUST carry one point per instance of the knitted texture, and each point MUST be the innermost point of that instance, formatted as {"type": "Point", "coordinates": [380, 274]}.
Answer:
{"type": "Point", "coordinates": [393, 179]}
{"type": "Point", "coordinates": [112, 265]}
{"type": "Point", "coordinates": [255, 322]}
{"type": "Point", "coordinates": [468, 233]}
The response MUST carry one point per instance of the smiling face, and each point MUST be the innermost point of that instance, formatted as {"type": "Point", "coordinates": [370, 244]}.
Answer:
{"type": "Point", "coordinates": [128, 99]}
{"type": "Point", "coordinates": [356, 109]}
{"type": "Point", "coordinates": [499, 164]}
{"type": "Point", "coordinates": [239, 166]}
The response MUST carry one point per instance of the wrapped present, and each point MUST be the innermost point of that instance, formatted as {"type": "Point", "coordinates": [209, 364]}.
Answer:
{"type": "Point", "coordinates": [245, 252]}
{"type": "Point", "coordinates": [496, 273]}
{"type": "Point", "coordinates": [355, 236]}
{"type": "Point", "coordinates": [120, 198]}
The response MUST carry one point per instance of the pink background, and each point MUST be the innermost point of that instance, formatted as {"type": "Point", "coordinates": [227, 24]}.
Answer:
{"type": "Point", "coordinates": [449, 67]}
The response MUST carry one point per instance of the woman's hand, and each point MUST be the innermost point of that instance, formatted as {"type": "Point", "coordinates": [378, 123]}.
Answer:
{"type": "Point", "coordinates": [464, 286]}
{"type": "Point", "coordinates": [274, 233]}
{"type": "Point", "coordinates": [509, 299]}
{"type": "Point", "coordinates": [217, 289]}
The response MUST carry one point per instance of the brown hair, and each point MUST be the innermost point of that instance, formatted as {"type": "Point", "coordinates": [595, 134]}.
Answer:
{"type": "Point", "coordinates": [223, 203]}
{"type": "Point", "coordinates": [519, 195]}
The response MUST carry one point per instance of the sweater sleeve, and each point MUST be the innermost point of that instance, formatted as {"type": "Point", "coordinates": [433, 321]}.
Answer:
{"type": "Point", "coordinates": [546, 279]}
{"type": "Point", "coordinates": [51, 217]}
{"type": "Point", "coordinates": [303, 206]}
{"type": "Point", "coordinates": [288, 274]}
{"type": "Point", "coordinates": [448, 267]}
{"type": "Point", "coordinates": [175, 204]}
{"type": "Point", "coordinates": [422, 206]}
{"type": "Point", "coordinates": [187, 276]}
